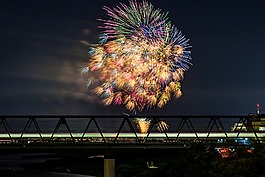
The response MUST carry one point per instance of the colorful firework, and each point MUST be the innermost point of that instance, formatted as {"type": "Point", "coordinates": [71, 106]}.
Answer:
{"type": "Point", "coordinates": [162, 126]}
{"type": "Point", "coordinates": [141, 57]}
{"type": "Point", "coordinates": [143, 124]}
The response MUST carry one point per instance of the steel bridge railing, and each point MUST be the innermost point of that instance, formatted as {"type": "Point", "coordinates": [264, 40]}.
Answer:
{"type": "Point", "coordinates": [116, 130]}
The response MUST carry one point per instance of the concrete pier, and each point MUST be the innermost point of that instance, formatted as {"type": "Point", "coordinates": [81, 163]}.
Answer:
{"type": "Point", "coordinates": [109, 167]}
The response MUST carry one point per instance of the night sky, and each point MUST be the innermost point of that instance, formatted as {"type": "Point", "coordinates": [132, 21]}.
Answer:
{"type": "Point", "coordinates": [44, 45]}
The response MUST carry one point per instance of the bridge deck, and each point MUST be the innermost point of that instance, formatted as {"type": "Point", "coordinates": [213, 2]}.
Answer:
{"type": "Point", "coordinates": [140, 135]}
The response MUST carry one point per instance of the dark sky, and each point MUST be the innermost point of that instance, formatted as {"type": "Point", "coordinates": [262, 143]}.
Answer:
{"type": "Point", "coordinates": [44, 45]}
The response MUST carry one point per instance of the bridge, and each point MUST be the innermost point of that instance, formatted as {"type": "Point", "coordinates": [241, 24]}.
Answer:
{"type": "Point", "coordinates": [109, 133]}
{"type": "Point", "coordinates": [105, 131]}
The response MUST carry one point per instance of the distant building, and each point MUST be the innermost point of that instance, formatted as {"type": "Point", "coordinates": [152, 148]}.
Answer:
{"type": "Point", "coordinates": [257, 121]}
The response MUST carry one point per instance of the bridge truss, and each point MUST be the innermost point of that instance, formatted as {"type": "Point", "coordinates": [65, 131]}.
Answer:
{"type": "Point", "coordinates": [96, 131]}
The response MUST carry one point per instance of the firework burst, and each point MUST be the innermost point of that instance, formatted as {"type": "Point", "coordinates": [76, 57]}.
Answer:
{"type": "Point", "coordinates": [143, 124]}
{"type": "Point", "coordinates": [141, 57]}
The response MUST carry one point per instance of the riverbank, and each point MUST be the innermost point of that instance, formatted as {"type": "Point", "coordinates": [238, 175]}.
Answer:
{"type": "Point", "coordinates": [25, 173]}
{"type": "Point", "coordinates": [42, 165]}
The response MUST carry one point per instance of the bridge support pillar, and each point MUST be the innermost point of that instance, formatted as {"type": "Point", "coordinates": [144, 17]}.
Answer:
{"type": "Point", "coordinates": [109, 167]}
